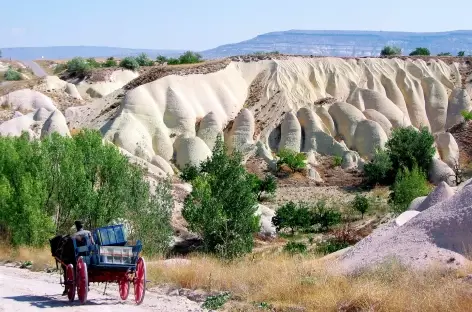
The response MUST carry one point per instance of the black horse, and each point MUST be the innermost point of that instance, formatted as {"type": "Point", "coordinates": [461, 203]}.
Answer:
{"type": "Point", "coordinates": [62, 248]}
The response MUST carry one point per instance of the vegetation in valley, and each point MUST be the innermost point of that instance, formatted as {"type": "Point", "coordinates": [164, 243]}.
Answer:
{"type": "Point", "coordinates": [47, 184]}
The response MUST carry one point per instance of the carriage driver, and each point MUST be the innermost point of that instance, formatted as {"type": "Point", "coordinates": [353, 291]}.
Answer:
{"type": "Point", "coordinates": [81, 233]}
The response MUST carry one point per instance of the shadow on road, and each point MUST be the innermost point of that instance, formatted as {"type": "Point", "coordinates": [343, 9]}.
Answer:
{"type": "Point", "coordinates": [45, 302]}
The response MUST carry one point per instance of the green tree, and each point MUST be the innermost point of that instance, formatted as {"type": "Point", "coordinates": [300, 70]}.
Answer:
{"type": "Point", "coordinates": [129, 63]}
{"type": "Point", "coordinates": [190, 57]}
{"type": "Point", "coordinates": [221, 207]}
{"type": "Point", "coordinates": [46, 185]}
{"type": "Point", "coordinates": [144, 60]}
{"type": "Point", "coordinates": [268, 185]}
{"type": "Point", "coordinates": [161, 59]}
{"type": "Point", "coordinates": [361, 204]}
{"type": "Point", "coordinates": [420, 51]}
{"type": "Point", "coordinates": [444, 54]}
{"type": "Point", "coordinates": [292, 216]}
{"type": "Point", "coordinates": [407, 147]}
{"type": "Point", "coordinates": [461, 54]}
{"type": "Point", "coordinates": [379, 169]}
{"type": "Point", "coordinates": [391, 50]}
{"type": "Point", "coordinates": [78, 66]}
{"type": "Point", "coordinates": [110, 62]}
{"type": "Point", "coordinates": [409, 184]}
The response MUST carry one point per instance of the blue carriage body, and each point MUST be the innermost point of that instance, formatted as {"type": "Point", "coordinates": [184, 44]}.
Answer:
{"type": "Point", "coordinates": [109, 251]}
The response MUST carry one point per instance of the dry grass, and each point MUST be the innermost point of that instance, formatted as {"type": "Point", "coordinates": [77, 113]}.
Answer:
{"type": "Point", "coordinates": [40, 257]}
{"type": "Point", "coordinates": [302, 282]}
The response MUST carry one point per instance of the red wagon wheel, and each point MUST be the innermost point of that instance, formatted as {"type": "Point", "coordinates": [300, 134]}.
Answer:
{"type": "Point", "coordinates": [70, 282]}
{"type": "Point", "coordinates": [82, 280]}
{"type": "Point", "coordinates": [140, 281]}
{"type": "Point", "coordinates": [123, 286]}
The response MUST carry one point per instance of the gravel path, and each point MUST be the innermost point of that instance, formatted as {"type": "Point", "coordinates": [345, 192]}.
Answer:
{"type": "Point", "coordinates": [23, 290]}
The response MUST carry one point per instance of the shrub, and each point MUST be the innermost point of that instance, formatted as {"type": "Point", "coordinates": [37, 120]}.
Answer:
{"type": "Point", "coordinates": [161, 59]}
{"type": "Point", "coordinates": [268, 185]}
{"type": "Point", "coordinates": [407, 147]}
{"type": "Point", "coordinates": [292, 159]}
{"type": "Point", "coordinates": [189, 173]}
{"type": "Point", "coordinates": [129, 62]}
{"type": "Point", "coordinates": [173, 61]}
{"type": "Point", "coordinates": [325, 216]}
{"type": "Point", "coordinates": [330, 245]}
{"type": "Point", "coordinates": [93, 63]}
{"type": "Point", "coordinates": [46, 185]}
{"type": "Point", "coordinates": [409, 184]}
{"type": "Point", "coordinates": [378, 170]}
{"type": "Point", "coordinates": [292, 216]}
{"type": "Point", "coordinates": [461, 54]}
{"type": "Point", "coordinates": [295, 247]}
{"type": "Point", "coordinates": [420, 51]}
{"type": "Point", "coordinates": [341, 238]}
{"type": "Point", "coordinates": [221, 207]}
{"type": "Point", "coordinates": [217, 301]}
{"type": "Point", "coordinates": [144, 60]}
{"type": "Point", "coordinates": [78, 66]}
{"type": "Point", "coordinates": [12, 75]}
{"type": "Point", "coordinates": [110, 62]}
{"type": "Point", "coordinates": [361, 204]}
{"type": "Point", "coordinates": [190, 57]}
{"type": "Point", "coordinates": [391, 50]}
{"type": "Point", "coordinates": [467, 115]}
{"type": "Point", "coordinates": [60, 68]}
{"type": "Point", "coordinates": [444, 54]}
{"type": "Point", "coordinates": [337, 161]}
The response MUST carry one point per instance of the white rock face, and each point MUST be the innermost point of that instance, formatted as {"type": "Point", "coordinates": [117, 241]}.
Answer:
{"type": "Point", "coordinates": [439, 171]}
{"type": "Point", "coordinates": [190, 150]}
{"type": "Point", "coordinates": [369, 136]}
{"type": "Point", "coordinates": [240, 137]}
{"type": "Point", "coordinates": [376, 116]}
{"type": "Point", "coordinates": [415, 203]}
{"type": "Point", "coordinates": [71, 89]}
{"type": "Point", "coordinates": [55, 123]}
{"type": "Point", "coordinates": [26, 100]}
{"type": "Point", "coordinates": [436, 103]}
{"type": "Point", "coordinates": [267, 229]}
{"type": "Point", "coordinates": [441, 193]}
{"type": "Point", "coordinates": [209, 129]}
{"type": "Point", "coordinates": [346, 117]}
{"type": "Point", "coordinates": [459, 101]}
{"type": "Point", "coordinates": [161, 163]}
{"type": "Point", "coordinates": [291, 133]}
{"type": "Point", "coordinates": [405, 217]}
{"type": "Point", "coordinates": [447, 148]}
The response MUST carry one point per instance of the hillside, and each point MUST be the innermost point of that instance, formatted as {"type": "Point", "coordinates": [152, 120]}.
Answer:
{"type": "Point", "coordinates": [346, 43]}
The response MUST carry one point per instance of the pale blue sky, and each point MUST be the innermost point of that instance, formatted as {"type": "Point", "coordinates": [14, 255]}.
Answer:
{"type": "Point", "coordinates": [204, 24]}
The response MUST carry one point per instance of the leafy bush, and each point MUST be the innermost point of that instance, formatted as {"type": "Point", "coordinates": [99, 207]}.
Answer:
{"type": "Point", "coordinates": [467, 115]}
{"type": "Point", "coordinates": [221, 207]}
{"type": "Point", "coordinates": [301, 216]}
{"type": "Point", "coordinates": [391, 50]}
{"type": "Point", "coordinates": [444, 54]}
{"type": "Point", "coordinates": [190, 57]}
{"type": "Point", "coordinates": [409, 184]}
{"type": "Point", "coordinates": [189, 173]}
{"type": "Point", "coordinates": [129, 62]}
{"type": "Point", "coordinates": [325, 216]}
{"type": "Point", "coordinates": [268, 185]}
{"type": "Point", "coordinates": [110, 62]}
{"type": "Point", "coordinates": [292, 159]}
{"type": "Point", "coordinates": [337, 161]}
{"type": "Point", "coordinates": [361, 204]}
{"type": "Point", "coordinates": [292, 216]}
{"type": "Point", "coordinates": [46, 185]}
{"type": "Point", "coordinates": [60, 68]}
{"type": "Point", "coordinates": [420, 51]}
{"type": "Point", "coordinates": [461, 54]}
{"type": "Point", "coordinates": [161, 59]}
{"type": "Point", "coordinates": [217, 301]}
{"type": "Point", "coordinates": [407, 147]}
{"type": "Point", "coordinates": [93, 63]}
{"type": "Point", "coordinates": [144, 60]}
{"type": "Point", "coordinates": [331, 245]}
{"type": "Point", "coordinates": [295, 247]}
{"type": "Point", "coordinates": [12, 75]}
{"type": "Point", "coordinates": [341, 238]}
{"type": "Point", "coordinates": [379, 169]}
{"type": "Point", "coordinates": [78, 66]}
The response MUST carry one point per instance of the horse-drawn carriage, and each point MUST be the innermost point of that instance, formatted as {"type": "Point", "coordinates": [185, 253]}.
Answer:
{"type": "Point", "coordinates": [103, 258]}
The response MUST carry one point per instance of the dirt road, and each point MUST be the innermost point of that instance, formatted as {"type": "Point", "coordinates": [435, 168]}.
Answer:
{"type": "Point", "coordinates": [23, 290]}
{"type": "Point", "coordinates": [37, 70]}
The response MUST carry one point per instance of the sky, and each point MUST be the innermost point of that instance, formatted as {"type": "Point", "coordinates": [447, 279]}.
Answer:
{"type": "Point", "coordinates": [205, 24]}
